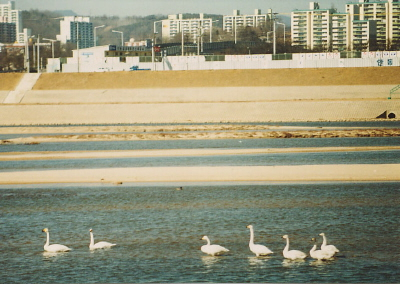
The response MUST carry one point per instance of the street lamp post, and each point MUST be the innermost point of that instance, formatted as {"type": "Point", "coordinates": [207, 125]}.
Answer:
{"type": "Point", "coordinates": [52, 45]}
{"type": "Point", "coordinates": [274, 30]}
{"type": "Point", "coordinates": [27, 60]}
{"type": "Point", "coordinates": [274, 51]}
{"type": "Point", "coordinates": [199, 38]}
{"type": "Point", "coordinates": [183, 43]}
{"type": "Point", "coordinates": [211, 27]}
{"type": "Point", "coordinates": [284, 32]}
{"type": "Point", "coordinates": [95, 39]}
{"type": "Point", "coordinates": [122, 36]}
{"type": "Point", "coordinates": [154, 26]}
{"type": "Point", "coordinates": [235, 23]}
{"type": "Point", "coordinates": [38, 53]}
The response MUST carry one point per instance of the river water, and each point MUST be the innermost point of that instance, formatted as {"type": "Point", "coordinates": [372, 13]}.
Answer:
{"type": "Point", "coordinates": [157, 228]}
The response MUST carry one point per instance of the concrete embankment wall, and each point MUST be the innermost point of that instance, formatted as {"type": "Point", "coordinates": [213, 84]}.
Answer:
{"type": "Point", "coordinates": [204, 96]}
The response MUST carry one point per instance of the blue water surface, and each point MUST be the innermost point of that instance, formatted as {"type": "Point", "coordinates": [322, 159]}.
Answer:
{"type": "Point", "coordinates": [158, 229]}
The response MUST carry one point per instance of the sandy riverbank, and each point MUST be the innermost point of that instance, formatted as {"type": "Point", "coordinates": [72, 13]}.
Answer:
{"type": "Point", "coordinates": [306, 173]}
{"type": "Point", "coordinates": [326, 94]}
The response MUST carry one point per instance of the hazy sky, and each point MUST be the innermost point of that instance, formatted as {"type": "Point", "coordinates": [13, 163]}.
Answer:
{"type": "Point", "coordinates": [124, 8]}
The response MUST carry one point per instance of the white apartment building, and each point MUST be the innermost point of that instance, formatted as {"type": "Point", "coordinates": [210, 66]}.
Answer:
{"type": "Point", "coordinates": [232, 22]}
{"type": "Point", "coordinates": [341, 38]}
{"type": "Point", "coordinates": [76, 30]}
{"type": "Point", "coordinates": [386, 14]}
{"type": "Point", "coordinates": [311, 28]}
{"type": "Point", "coordinates": [192, 28]}
{"type": "Point", "coordinates": [363, 25]}
{"type": "Point", "coordinates": [8, 14]}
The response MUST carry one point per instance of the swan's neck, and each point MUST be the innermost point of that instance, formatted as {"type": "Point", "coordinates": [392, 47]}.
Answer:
{"type": "Point", "coordinates": [208, 241]}
{"type": "Point", "coordinates": [313, 249]}
{"type": "Point", "coordinates": [323, 241]}
{"type": "Point", "coordinates": [251, 237]}
{"type": "Point", "coordinates": [287, 245]}
{"type": "Point", "coordinates": [91, 239]}
{"type": "Point", "coordinates": [48, 239]}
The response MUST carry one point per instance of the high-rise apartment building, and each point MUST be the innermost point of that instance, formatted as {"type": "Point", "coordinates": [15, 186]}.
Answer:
{"type": "Point", "coordinates": [10, 17]}
{"type": "Point", "coordinates": [364, 24]}
{"type": "Point", "coordinates": [176, 24]}
{"type": "Point", "coordinates": [77, 30]}
{"type": "Point", "coordinates": [7, 32]}
{"type": "Point", "coordinates": [311, 28]}
{"type": "Point", "coordinates": [232, 22]}
{"type": "Point", "coordinates": [385, 14]}
{"type": "Point", "coordinates": [340, 38]}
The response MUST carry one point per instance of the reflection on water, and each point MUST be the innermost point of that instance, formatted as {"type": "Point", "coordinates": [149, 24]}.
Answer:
{"type": "Point", "coordinates": [157, 230]}
{"type": "Point", "coordinates": [293, 263]}
{"type": "Point", "coordinates": [259, 261]}
{"type": "Point", "coordinates": [48, 255]}
{"type": "Point", "coordinates": [321, 263]}
{"type": "Point", "coordinates": [209, 260]}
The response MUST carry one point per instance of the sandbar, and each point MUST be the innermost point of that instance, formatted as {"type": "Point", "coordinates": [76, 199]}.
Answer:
{"type": "Point", "coordinates": [302, 173]}
{"type": "Point", "coordinates": [114, 154]}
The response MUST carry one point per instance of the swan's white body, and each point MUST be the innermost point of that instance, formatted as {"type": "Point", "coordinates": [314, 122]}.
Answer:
{"type": "Point", "coordinates": [329, 248]}
{"type": "Point", "coordinates": [54, 247]}
{"type": "Point", "coordinates": [320, 254]}
{"type": "Point", "coordinates": [255, 248]}
{"type": "Point", "coordinates": [212, 249]}
{"type": "Point", "coordinates": [292, 254]}
{"type": "Point", "coordinates": [99, 245]}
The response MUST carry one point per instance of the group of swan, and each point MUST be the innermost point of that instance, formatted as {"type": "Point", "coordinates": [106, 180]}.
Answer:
{"type": "Point", "coordinates": [62, 248]}
{"type": "Point", "coordinates": [326, 251]}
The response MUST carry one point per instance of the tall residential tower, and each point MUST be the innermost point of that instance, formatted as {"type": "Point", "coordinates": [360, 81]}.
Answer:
{"type": "Point", "coordinates": [194, 27]}
{"type": "Point", "coordinates": [366, 24]}
{"type": "Point", "coordinates": [77, 30]}
{"type": "Point", "coordinates": [11, 23]}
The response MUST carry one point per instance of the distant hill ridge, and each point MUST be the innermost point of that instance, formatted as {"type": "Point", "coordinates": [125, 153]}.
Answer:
{"type": "Point", "coordinates": [65, 13]}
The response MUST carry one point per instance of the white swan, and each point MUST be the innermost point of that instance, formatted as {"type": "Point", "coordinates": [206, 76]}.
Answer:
{"type": "Point", "coordinates": [54, 247]}
{"type": "Point", "coordinates": [292, 254]}
{"type": "Point", "coordinates": [319, 254]}
{"type": "Point", "coordinates": [212, 249]}
{"type": "Point", "coordinates": [329, 248]}
{"type": "Point", "coordinates": [98, 245]}
{"type": "Point", "coordinates": [255, 248]}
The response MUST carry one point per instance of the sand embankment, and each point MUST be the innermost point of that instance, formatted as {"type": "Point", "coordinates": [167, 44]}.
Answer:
{"type": "Point", "coordinates": [220, 78]}
{"type": "Point", "coordinates": [209, 78]}
{"type": "Point", "coordinates": [328, 94]}
{"type": "Point", "coordinates": [8, 81]}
